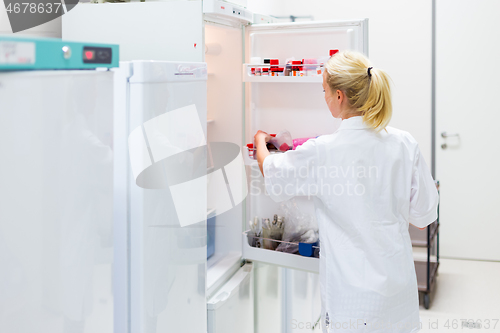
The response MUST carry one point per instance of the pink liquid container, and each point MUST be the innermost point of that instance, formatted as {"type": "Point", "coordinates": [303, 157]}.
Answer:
{"type": "Point", "coordinates": [300, 141]}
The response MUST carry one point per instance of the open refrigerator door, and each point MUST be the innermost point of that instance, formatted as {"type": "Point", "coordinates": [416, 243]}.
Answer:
{"type": "Point", "coordinates": [283, 91]}
{"type": "Point", "coordinates": [229, 280]}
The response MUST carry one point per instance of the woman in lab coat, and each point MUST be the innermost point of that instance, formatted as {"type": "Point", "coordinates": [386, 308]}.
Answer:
{"type": "Point", "coordinates": [368, 182]}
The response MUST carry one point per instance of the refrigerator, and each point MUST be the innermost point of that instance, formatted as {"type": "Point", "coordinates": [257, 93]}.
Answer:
{"type": "Point", "coordinates": [160, 195]}
{"type": "Point", "coordinates": [56, 186]}
{"type": "Point", "coordinates": [284, 287]}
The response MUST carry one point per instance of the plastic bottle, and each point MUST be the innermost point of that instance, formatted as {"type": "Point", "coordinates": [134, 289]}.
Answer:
{"type": "Point", "coordinates": [318, 70]}
{"type": "Point", "coordinates": [295, 68]}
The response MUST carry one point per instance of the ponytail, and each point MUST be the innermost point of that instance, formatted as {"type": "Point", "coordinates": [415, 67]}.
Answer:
{"type": "Point", "coordinates": [367, 89]}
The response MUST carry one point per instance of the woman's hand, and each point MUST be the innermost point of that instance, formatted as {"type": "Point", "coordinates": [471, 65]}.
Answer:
{"type": "Point", "coordinates": [260, 137]}
{"type": "Point", "coordinates": [260, 140]}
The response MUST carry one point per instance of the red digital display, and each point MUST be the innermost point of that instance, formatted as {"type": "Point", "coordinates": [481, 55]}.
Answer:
{"type": "Point", "coordinates": [89, 55]}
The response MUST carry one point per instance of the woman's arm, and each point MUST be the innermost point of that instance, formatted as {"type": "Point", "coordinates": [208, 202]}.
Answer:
{"type": "Point", "coordinates": [290, 173]}
{"type": "Point", "coordinates": [424, 197]}
{"type": "Point", "coordinates": [261, 138]}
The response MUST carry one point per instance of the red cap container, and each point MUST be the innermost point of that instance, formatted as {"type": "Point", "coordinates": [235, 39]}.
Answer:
{"type": "Point", "coordinates": [332, 52]}
{"type": "Point", "coordinates": [296, 62]}
{"type": "Point", "coordinates": [274, 62]}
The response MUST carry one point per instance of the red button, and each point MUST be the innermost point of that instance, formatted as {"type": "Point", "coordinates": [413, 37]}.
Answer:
{"type": "Point", "coordinates": [89, 55]}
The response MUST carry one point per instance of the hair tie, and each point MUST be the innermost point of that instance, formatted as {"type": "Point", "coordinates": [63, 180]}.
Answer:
{"type": "Point", "coordinates": [369, 69]}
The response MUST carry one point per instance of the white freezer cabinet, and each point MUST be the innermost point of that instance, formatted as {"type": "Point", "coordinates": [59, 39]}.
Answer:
{"type": "Point", "coordinates": [56, 197]}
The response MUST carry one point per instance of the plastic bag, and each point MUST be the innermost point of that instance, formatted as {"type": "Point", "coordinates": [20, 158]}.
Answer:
{"type": "Point", "coordinates": [255, 232]}
{"type": "Point", "coordinates": [282, 141]}
{"type": "Point", "coordinates": [299, 227]}
{"type": "Point", "coordinates": [272, 230]}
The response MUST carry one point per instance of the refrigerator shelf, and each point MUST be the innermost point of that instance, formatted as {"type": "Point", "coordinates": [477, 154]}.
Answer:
{"type": "Point", "coordinates": [283, 79]}
{"type": "Point", "coordinates": [287, 260]}
{"type": "Point", "coordinates": [309, 71]}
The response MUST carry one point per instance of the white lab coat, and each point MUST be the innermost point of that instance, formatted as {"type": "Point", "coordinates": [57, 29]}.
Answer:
{"type": "Point", "coordinates": [367, 187]}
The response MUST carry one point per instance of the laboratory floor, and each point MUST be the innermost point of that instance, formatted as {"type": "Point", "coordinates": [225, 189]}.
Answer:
{"type": "Point", "coordinates": [468, 290]}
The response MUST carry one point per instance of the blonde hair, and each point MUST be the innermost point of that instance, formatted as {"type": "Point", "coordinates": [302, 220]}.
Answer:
{"type": "Point", "coordinates": [368, 91]}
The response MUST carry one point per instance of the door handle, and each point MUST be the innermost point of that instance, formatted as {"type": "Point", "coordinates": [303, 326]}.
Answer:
{"type": "Point", "coordinates": [447, 135]}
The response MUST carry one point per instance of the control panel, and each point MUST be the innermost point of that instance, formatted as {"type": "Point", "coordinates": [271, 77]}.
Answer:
{"type": "Point", "coordinates": [21, 53]}
{"type": "Point", "coordinates": [97, 55]}
{"type": "Point", "coordinates": [227, 11]}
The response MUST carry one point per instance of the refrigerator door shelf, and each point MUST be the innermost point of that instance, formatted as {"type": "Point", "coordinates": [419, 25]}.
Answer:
{"type": "Point", "coordinates": [284, 79]}
{"type": "Point", "coordinates": [309, 74]}
{"type": "Point", "coordinates": [287, 260]}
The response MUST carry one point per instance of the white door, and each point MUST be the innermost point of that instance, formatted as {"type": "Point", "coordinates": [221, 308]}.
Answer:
{"type": "Point", "coordinates": [56, 197]}
{"type": "Point", "coordinates": [467, 111]}
{"type": "Point", "coordinates": [166, 119]}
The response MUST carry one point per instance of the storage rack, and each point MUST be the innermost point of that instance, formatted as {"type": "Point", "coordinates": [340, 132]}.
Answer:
{"type": "Point", "coordinates": [427, 270]}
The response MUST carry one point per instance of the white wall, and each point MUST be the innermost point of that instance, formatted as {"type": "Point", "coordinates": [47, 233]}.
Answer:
{"type": "Point", "coordinates": [49, 29]}
{"type": "Point", "coordinates": [400, 43]}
